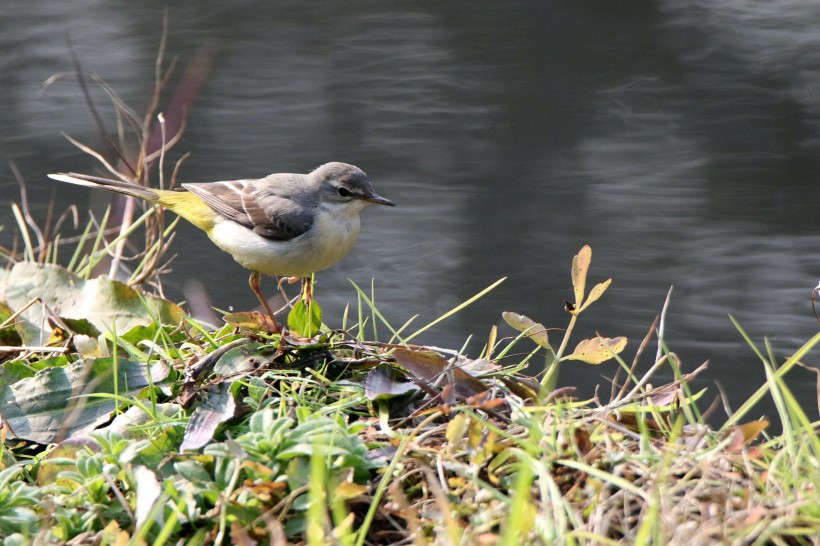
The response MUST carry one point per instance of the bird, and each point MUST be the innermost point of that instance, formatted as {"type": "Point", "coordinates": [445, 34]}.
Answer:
{"type": "Point", "coordinates": [282, 225]}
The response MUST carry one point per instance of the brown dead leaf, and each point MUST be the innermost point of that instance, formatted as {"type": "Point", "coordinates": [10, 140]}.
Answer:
{"type": "Point", "coordinates": [434, 368]}
{"type": "Point", "coordinates": [487, 539]}
{"type": "Point", "coordinates": [250, 319]}
{"type": "Point", "coordinates": [484, 401]}
{"type": "Point", "coordinates": [265, 490]}
{"type": "Point", "coordinates": [755, 514]}
{"type": "Point", "coordinates": [663, 396]}
{"type": "Point", "coordinates": [582, 441]}
{"type": "Point", "coordinates": [524, 387]}
{"type": "Point", "coordinates": [630, 420]}
{"type": "Point", "coordinates": [240, 536]}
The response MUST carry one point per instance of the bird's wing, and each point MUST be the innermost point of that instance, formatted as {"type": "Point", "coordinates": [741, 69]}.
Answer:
{"type": "Point", "coordinates": [257, 205]}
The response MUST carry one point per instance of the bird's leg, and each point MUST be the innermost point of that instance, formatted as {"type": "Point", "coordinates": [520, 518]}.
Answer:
{"type": "Point", "coordinates": [307, 289]}
{"type": "Point", "coordinates": [254, 283]}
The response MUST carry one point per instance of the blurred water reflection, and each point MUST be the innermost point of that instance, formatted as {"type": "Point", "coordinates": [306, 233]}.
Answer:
{"type": "Point", "coordinates": [679, 139]}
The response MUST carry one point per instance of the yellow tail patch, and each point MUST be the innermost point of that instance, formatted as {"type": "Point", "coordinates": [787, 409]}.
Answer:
{"type": "Point", "coordinates": [189, 206]}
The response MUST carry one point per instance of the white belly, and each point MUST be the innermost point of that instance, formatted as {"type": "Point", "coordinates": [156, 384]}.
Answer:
{"type": "Point", "coordinates": [328, 241]}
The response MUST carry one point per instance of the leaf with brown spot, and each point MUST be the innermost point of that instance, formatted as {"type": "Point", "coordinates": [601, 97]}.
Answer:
{"type": "Point", "coordinates": [580, 268]}
{"type": "Point", "coordinates": [598, 349]}
{"type": "Point", "coordinates": [594, 294]}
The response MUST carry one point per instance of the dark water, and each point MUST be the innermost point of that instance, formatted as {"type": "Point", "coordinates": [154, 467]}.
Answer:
{"type": "Point", "coordinates": [679, 139]}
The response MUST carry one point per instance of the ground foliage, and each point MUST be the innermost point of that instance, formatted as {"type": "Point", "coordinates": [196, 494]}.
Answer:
{"type": "Point", "coordinates": [240, 436]}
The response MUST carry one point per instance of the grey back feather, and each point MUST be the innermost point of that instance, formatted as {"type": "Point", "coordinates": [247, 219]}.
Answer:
{"type": "Point", "coordinates": [276, 207]}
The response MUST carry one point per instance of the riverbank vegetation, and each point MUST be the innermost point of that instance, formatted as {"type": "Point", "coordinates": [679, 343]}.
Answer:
{"type": "Point", "coordinates": [169, 432]}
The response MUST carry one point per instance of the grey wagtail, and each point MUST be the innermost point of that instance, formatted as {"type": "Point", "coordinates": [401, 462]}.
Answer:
{"type": "Point", "coordinates": [288, 225]}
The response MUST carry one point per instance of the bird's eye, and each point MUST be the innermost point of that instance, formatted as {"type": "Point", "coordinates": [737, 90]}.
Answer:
{"type": "Point", "coordinates": [344, 192]}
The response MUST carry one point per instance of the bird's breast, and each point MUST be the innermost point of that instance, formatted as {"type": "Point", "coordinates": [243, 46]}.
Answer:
{"type": "Point", "coordinates": [328, 240]}
{"type": "Point", "coordinates": [333, 235]}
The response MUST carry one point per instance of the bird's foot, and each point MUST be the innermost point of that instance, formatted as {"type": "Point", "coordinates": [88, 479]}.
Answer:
{"type": "Point", "coordinates": [307, 289]}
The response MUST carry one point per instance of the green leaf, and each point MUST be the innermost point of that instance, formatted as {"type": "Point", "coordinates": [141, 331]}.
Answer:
{"type": "Point", "coordinates": [81, 326]}
{"type": "Point", "coordinates": [193, 471]}
{"type": "Point", "coordinates": [245, 357]}
{"type": "Point", "coordinates": [151, 331]}
{"type": "Point", "coordinates": [381, 385]}
{"type": "Point", "coordinates": [54, 462]}
{"type": "Point", "coordinates": [216, 407]}
{"type": "Point", "coordinates": [59, 401]}
{"type": "Point", "coordinates": [8, 334]}
{"type": "Point", "coordinates": [104, 303]}
{"type": "Point", "coordinates": [305, 319]}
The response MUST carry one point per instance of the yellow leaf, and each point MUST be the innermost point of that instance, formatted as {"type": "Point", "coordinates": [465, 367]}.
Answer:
{"type": "Point", "coordinates": [257, 468]}
{"type": "Point", "coordinates": [534, 330]}
{"type": "Point", "coordinates": [456, 429]}
{"type": "Point", "coordinates": [597, 350]}
{"type": "Point", "coordinates": [114, 535]}
{"type": "Point", "coordinates": [491, 341]}
{"type": "Point", "coordinates": [475, 433]}
{"type": "Point", "coordinates": [596, 292]}
{"type": "Point", "coordinates": [580, 268]}
{"type": "Point", "coordinates": [746, 433]}
{"type": "Point", "coordinates": [348, 490]}
{"type": "Point", "coordinates": [456, 482]}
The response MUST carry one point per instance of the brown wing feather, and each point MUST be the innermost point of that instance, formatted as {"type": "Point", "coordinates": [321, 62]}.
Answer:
{"type": "Point", "coordinates": [256, 207]}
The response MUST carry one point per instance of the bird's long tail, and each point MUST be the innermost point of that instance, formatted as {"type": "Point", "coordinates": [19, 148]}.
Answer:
{"type": "Point", "coordinates": [108, 184]}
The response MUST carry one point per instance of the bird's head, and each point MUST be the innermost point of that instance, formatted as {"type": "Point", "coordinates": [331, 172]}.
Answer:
{"type": "Point", "coordinates": [346, 185]}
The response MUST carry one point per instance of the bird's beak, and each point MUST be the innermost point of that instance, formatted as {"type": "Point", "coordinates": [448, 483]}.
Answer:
{"type": "Point", "coordinates": [379, 200]}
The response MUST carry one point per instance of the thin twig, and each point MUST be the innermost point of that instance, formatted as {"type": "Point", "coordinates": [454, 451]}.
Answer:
{"type": "Point", "coordinates": [24, 204]}
{"type": "Point", "coordinates": [31, 349]}
{"type": "Point", "coordinates": [98, 157]}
